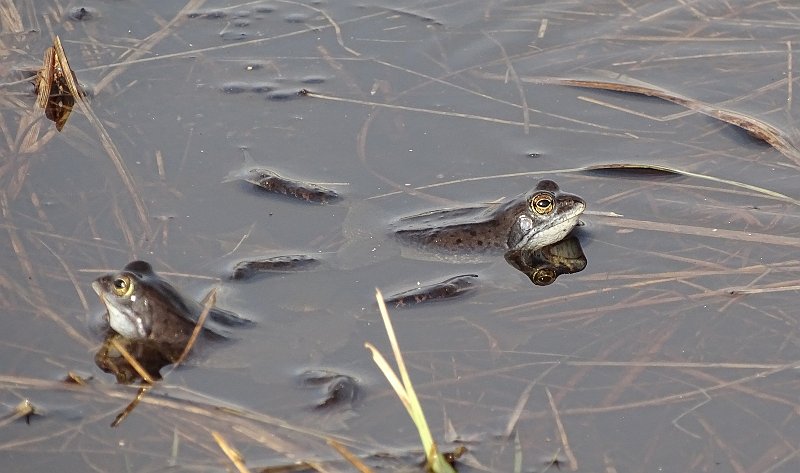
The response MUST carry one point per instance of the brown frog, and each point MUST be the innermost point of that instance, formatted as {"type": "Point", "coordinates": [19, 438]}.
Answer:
{"type": "Point", "coordinates": [540, 217]}
{"type": "Point", "coordinates": [143, 306]}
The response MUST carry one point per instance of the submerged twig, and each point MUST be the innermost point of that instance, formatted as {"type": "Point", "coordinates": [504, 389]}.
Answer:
{"type": "Point", "coordinates": [131, 405]}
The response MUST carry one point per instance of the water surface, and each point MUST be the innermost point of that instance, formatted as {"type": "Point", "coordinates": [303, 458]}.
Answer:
{"type": "Point", "coordinates": [674, 350]}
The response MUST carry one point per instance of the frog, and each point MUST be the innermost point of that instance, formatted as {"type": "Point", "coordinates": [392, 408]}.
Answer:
{"type": "Point", "coordinates": [530, 221]}
{"type": "Point", "coordinates": [141, 305]}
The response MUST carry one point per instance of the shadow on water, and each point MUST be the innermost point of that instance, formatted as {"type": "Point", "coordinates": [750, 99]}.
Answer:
{"type": "Point", "coordinates": [667, 342]}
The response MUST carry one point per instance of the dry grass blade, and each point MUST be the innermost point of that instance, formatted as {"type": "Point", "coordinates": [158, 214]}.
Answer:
{"type": "Point", "coordinates": [757, 128]}
{"type": "Point", "coordinates": [10, 19]}
{"type": "Point", "coordinates": [132, 361]}
{"type": "Point", "coordinates": [735, 235]}
{"type": "Point", "coordinates": [145, 47]}
{"type": "Point", "coordinates": [66, 70]}
{"type": "Point", "coordinates": [231, 452]}
{"type": "Point", "coordinates": [119, 164]}
{"type": "Point", "coordinates": [447, 113]}
{"type": "Point", "coordinates": [348, 455]}
{"type": "Point", "coordinates": [633, 167]}
{"type": "Point", "coordinates": [58, 90]}
{"type": "Point", "coordinates": [142, 391]}
{"type": "Point", "coordinates": [45, 78]}
{"type": "Point", "coordinates": [208, 303]}
{"type": "Point", "coordinates": [517, 453]}
{"type": "Point", "coordinates": [573, 462]}
{"type": "Point", "coordinates": [523, 399]}
{"type": "Point", "coordinates": [405, 391]}
{"type": "Point", "coordinates": [336, 29]}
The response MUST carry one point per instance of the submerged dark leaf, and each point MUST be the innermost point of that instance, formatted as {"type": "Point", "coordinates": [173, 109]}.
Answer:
{"type": "Point", "coordinates": [457, 286]}
{"type": "Point", "coordinates": [286, 94]}
{"type": "Point", "coordinates": [82, 14]}
{"type": "Point", "coordinates": [630, 170]}
{"type": "Point", "coordinates": [336, 389]}
{"type": "Point", "coordinates": [271, 181]}
{"type": "Point", "coordinates": [248, 269]}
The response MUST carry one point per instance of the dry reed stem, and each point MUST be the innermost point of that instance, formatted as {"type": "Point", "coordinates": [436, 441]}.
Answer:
{"type": "Point", "coordinates": [10, 19]}
{"type": "Point", "coordinates": [216, 411]}
{"type": "Point", "coordinates": [70, 275]}
{"type": "Point", "coordinates": [231, 452]}
{"type": "Point", "coordinates": [348, 455]}
{"type": "Point", "coordinates": [523, 400]}
{"type": "Point", "coordinates": [445, 113]}
{"type": "Point", "coordinates": [573, 462]}
{"type": "Point", "coordinates": [707, 232]}
{"type": "Point", "coordinates": [142, 391]}
{"type": "Point", "coordinates": [133, 362]}
{"type": "Point", "coordinates": [208, 302]}
{"type": "Point", "coordinates": [518, 408]}
{"type": "Point", "coordinates": [297, 454]}
{"type": "Point", "coordinates": [336, 28]}
{"type": "Point", "coordinates": [729, 452]}
{"type": "Point", "coordinates": [191, 53]}
{"type": "Point", "coordinates": [145, 46]}
{"type": "Point", "coordinates": [46, 77]}
{"type": "Point", "coordinates": [759, 191]}
{"type": "Point", "coordinates": [512, 72]}
{"type": "Point", "coordinates": [361, 150]}
{"type": "Point", "coordinates": [57, 56]}
{"type": "Point", "coordinates": [758, 128]}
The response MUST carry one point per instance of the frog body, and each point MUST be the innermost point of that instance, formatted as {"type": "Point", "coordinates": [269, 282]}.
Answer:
{"type": "Point", "coordinates": [533, 220]}
{"type": "Point", "coordinates": [143, 306]}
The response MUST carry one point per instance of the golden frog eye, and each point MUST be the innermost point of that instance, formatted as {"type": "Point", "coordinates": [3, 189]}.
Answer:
{"type": "Point", "coordinates": [542, 203]}
{"type": "Point", "coordinates": [544, 277]}
{"type": "Point", "coordinates": [122, 286]}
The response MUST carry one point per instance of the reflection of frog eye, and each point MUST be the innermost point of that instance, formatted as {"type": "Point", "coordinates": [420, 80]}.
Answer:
{"type": "Point", "coordinates": [542, 203]}
{"type": "Point", "coordinates": [122, 286]}
{"type": "Point", "coordinates": [544, 277]}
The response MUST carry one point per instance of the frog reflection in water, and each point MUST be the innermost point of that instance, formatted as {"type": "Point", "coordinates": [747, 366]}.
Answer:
{"type": "Point", "coordinates": [529, 221]}
{"type": "Point", "coordinates": [143, 306]}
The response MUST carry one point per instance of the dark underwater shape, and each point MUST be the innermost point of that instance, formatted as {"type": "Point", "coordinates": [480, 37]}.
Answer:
{"type": "Point", "coordinates": [456, 286]}
{"type": "Point", "coordinates": [248, 269]}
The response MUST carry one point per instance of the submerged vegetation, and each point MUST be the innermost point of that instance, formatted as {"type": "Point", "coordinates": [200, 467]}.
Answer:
{"type": "Point", "coordinates": [404, 389]}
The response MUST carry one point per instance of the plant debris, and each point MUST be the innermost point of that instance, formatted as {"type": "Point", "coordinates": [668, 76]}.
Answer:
{"type": "Point", "coordinates": [56, 85]}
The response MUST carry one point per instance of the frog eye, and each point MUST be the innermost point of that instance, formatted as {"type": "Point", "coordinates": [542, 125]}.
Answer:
{"type": "Point", "coordinates": [544, 277]}
{"type": "Point", "coordinates": [542, 203]}
{"type": "Point", "coordinates": [122, 286]}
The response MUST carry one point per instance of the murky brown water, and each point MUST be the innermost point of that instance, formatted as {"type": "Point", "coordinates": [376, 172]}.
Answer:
{"type": "Point", "coordinates": [674, 350]}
